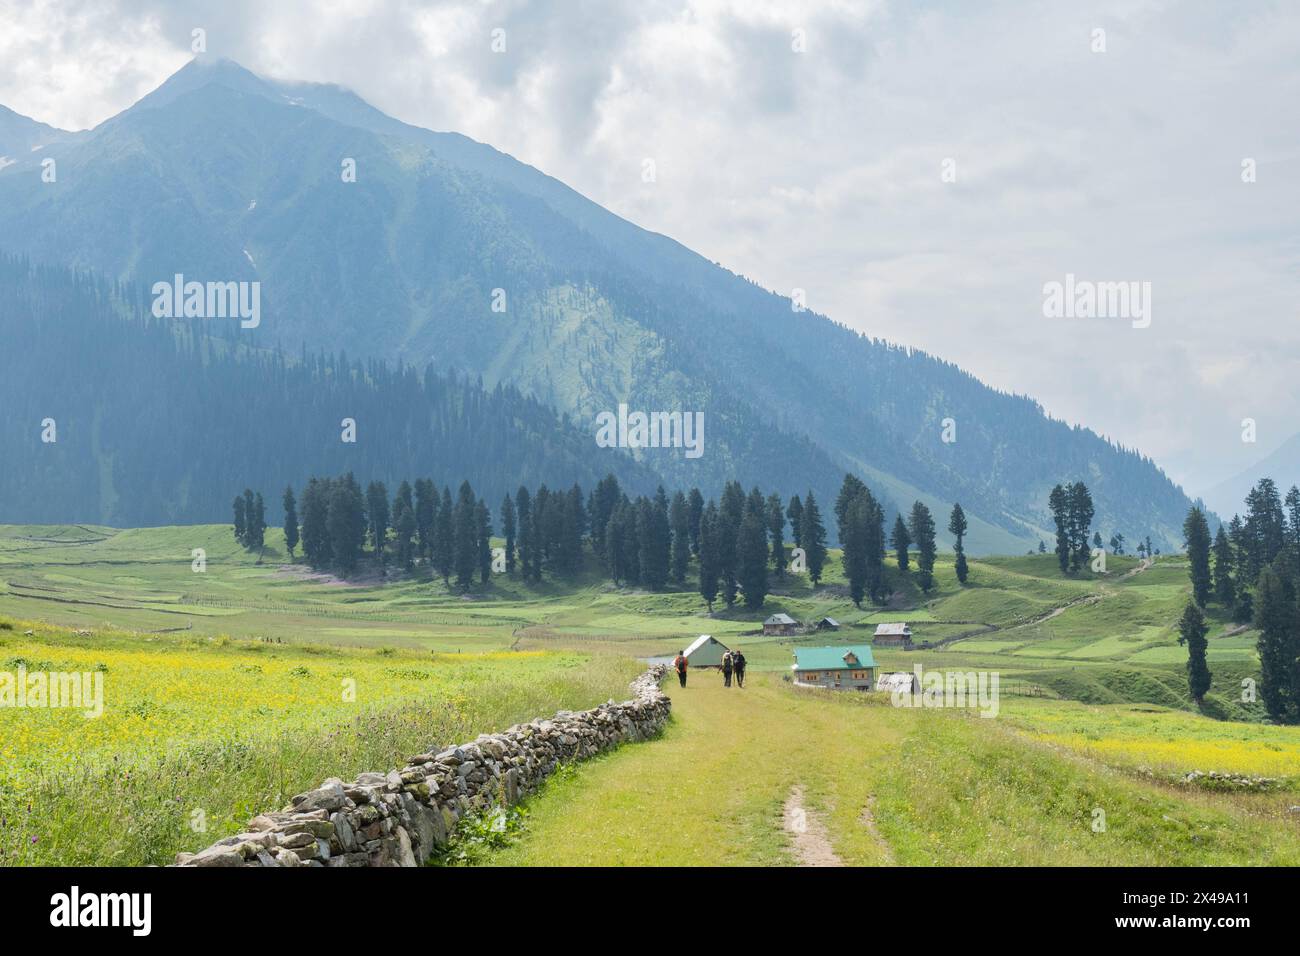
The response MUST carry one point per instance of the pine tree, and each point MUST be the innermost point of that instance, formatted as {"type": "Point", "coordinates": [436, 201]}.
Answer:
{"type": "Point", "coordinates": [679, 517]}
{"type": "Point", "coordinates": [708, 554]}
{"type": "Point", "coordinates": [695, 501]}
{"type": "Point", "coordinates": [900, 539]}
{"type": "Point", "coordinates": [426, 516]}
{"type": "Point", "coordinates": [1225, 590]}
{"type": "Point", "coordinates": [1081, 511]}
{"type": "Point", "coordinates": [527, 537]}
{"type": "Point", "coordinates": [850, 488]}
{"type": "Point", "coordinates": [1278, 644]}
{"type": "Point", "coordinates": [1196, 532]}
{"type": "Point", "coordinates": [290, 520]}
{"type": "Point", "coordinates": [812, 538]}
{"type": "Point", "coordinates": [345, 523]}
{"type": "Point", "coordinates": [406, 526]}
{"type": "Point", "coordinates": [957, 528]}
{"type": "Point", "coordinates": [731, 510]}
{"type": "Point", "coordinates": [1191, 631]}
{"type": "Point", "coordinates": [795, 513]}
{"type": "Point", "coordinates": [444, 544]}
{"type": "Point", "coordinates": [316, 547]}
{"type": "Point", "coordinates": [853, 541]}
{"type": "Point", "coordinates": [654, 538]}
{"type": "Point", "coordinates": [776, 528]}
{"type": "Point", "coordinates": [241, 523]}
{"type": "Point", "coordinates": [378, 511]}
{"type": "Point", "coordinates": [257, 526]}
{"type": "Point", "coordinates": [752, 557]}
{"type": "Point", "coordinates": [508, 530]}
{"type": "Point", "coordinates": [1059, 503]}
{"type": "Point", "coordinates": [604, 499]}
{"type": "Point", "coordinates": [464, 529]}
{"type": "Point", "coordinates": [922, 527]}
{"type": "Point", "coordinates": [483, 538]}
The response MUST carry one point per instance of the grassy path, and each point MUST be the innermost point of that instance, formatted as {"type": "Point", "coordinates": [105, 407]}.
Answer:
{"type": "Point", "coordinates": [879, 785]}
{"type": "Point", "coordinates": [712, 789]}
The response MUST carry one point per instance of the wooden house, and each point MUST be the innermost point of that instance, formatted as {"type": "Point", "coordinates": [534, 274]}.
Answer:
{"type": "Point", "coordinates": [896, 634]}
{"type": "Point", "coordinates": [839, 668]}
{"type": "Point", "coordinates": [780, 624]}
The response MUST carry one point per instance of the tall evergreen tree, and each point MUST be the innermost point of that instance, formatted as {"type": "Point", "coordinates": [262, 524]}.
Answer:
{"type": "Point", "coordinates": [900, 539]}
{"type": "Point", "coordinates": [508, 531]}
{"type": "Point", "coordinates": [604, 499]}
{"type": "Point", "coordinates": [483, 539]}
{"type": "Point", "coordinates": [795, 513]}
{"type": "Point", "coordinates": [527, 535]}
{"type": "Point", "coordinates": [695, 501]}
{"type": "Point", "coordinates": [290, 520]}
{"type": "Point", "coordinates": [1278, 620]}
{"type": "Point", "coordinates": [1059, 503]}
{"type": "Point", "coordinates": [957, 528]}
{"type": "Point", "coordinates": [752, 557]}
{"type": "Point", "coordinates": [346, 523]}
{"type": "Point", "coordinates": [922, 527]}
{"type": "Point", "coordinates": [406, 526]}
{"type": "Point", "coordinates": [426, 516]}
{"type": "Point", "coordinates": [257, 525]}
{"type": "Point", "coordinates": [679, 517]}
{"type": "Point", "coordinates": [316, 546]}
{"type": "Point", "coordinates": [241, 520]}
{"type": "Point", "coordinates": [854, 529]}
{"type": "Point", "coordinates": [708, 555]}
{"type": "Point", "coordinates": [1225, 589]}
{"type": "Point", "coordinates": [654, 538]}
{"type": "Point", "coordinates": [444, 544]}
{"type": "Point", "coordinates": [731, 509]}
{"type": "Point", "coordinates": [378, 512]}
{"type": "Point", "coordinates": [1196, 532]}
{"type": "Point", "coordinates": [464, 528]}
{"type": "Point", "coordinates": [1191, 631]}
{"type": "Point", "coordinates": [776, 528]}
{"type": "Point", "coordinates": [812, 538]}
{"type": "Point", "coordinates": [1081, 512]}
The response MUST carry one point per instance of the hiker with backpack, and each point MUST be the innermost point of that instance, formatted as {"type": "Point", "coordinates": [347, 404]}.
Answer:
{"type": "Point", "coordinates": [738, 665]}
{"type": "Point", "coordinates": [679, 663]}
{"type": "Point", "coordinates": [726, 669]}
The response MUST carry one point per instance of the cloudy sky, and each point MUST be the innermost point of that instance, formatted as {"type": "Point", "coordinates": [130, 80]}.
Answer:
{"type": "Point", "coordinates": [804, 145]}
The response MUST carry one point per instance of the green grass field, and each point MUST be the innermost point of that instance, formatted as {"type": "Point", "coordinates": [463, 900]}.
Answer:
{"type": "Point", "coordinates": [223, 686]}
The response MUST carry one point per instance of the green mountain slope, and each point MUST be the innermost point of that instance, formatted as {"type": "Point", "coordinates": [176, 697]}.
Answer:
{"type": "Point", "coordinates": [221, 175]}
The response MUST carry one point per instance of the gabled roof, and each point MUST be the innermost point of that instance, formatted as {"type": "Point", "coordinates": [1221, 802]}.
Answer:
{"type": "Point", "coordinates": [895, 629]}
{"type": "Point", "coordinates": [829, 620]}
{"type": "Point", "coordinates": [701, 641]}
{"type": "Point", "coordinates": [832, 658]}
{"type": "Point", "coordinates": [780, 618]}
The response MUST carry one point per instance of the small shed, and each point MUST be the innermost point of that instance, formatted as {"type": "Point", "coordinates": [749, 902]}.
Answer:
{"type": "Point", "coordinates": [780, 624]}
{"type": "Point", "coordinates": [895, 634]}
{"type": "Point", "coordinates": [705, 651]}
{"type": "Point", "coordinates": [839, 668]}
{"type": "Point", "coordinates": [828, 624]}
{"type": "Point", "coordinates": [897, 682]}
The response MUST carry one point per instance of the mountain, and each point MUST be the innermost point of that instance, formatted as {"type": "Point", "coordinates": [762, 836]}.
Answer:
{"type": "Point", "coordinates": [1283, 466]}
{"type": "Point", "coordinates": [221, 175]}
{"type": "Point", "coordinates": [156, 422]}
{"type": "Point", "coordinates": [20, 136]}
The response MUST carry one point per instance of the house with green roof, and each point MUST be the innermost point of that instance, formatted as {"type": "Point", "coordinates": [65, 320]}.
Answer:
{"type": "Point", "coordinates": [847, 667]}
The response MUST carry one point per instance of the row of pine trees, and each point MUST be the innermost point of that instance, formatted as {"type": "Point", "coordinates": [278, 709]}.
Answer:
{"type": "Point", "coordinates": [737, 543]}
{"type": "Point", "coordinates": [1251, 570]}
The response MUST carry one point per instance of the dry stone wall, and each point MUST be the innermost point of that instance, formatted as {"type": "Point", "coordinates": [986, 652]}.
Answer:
{"type": "Point", "coordinates": [399, 818]}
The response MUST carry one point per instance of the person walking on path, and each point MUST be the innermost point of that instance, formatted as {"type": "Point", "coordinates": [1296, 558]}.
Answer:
{"type": "Point", "coordinates": [679, 663]}
{"type": "Point", "coordinates": [726, 669]}
{"type": "Point", "coordinates": [738, 665]}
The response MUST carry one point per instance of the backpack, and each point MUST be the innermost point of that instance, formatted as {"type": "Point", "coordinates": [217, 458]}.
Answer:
{"type": "Point", "coordinates": [738, 661]}
{"type": "Point", "coordinates": [680, 663]}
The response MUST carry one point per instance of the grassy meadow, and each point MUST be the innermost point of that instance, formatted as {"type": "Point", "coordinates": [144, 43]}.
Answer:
{"type": "Point", "coordinates": [226, 690]}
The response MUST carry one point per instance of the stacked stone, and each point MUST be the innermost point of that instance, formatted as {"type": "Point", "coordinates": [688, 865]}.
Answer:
{"type": "Point", "coordinates": [400, 818]}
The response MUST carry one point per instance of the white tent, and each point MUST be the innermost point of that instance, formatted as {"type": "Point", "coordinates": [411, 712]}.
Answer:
{"type": "Point", "coordinates": [706, 651]}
